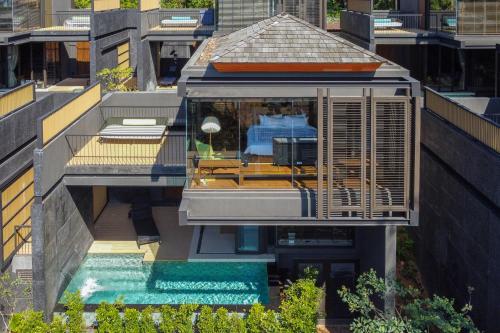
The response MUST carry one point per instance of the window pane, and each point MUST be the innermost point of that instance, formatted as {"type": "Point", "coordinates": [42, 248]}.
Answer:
{"type": "Point", "coordinates": [248, 239]}
{"type": "Point", "coordinates": [316, 236]}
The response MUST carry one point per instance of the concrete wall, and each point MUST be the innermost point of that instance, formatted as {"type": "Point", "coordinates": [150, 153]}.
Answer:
{"type": "Point", "coordinates": [358, 28]}
{"type": "Point", "coordinates": [111, 28]}
{"type": "Point", "coordinates": [61, 216]}
{"type": "Point", "coordinates": [19, 127]}
{"type": "Point", "coordinates": [61, 237]}
{"type": "Point", "coordinates": [146, 75]}
{"type": "Point", "coordinates": [457, 240]}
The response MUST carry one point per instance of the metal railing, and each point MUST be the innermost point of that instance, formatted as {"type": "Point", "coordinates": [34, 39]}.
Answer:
{"type": "Point", "coordinates": [23, 239]}
{"type": "Point", "coordinates": [196, 20]}
{"type": "Point", "coordinates": [78, 19]}
{"type": "Point", "coordinates": [126, 150]}
{"type": "Point", "coordinates": [444, 21]}
{"type": "Point", "coordinates": [408, 21]}
{"type": "Point", "coordinates": [175, 114]}
{"type": "Point", "coordinates": [478, 126]}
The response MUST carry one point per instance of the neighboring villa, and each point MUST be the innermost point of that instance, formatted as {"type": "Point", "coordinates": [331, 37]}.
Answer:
{"type": "Point", "coordinates": [455, 54]}
{"type": "Point", "coordinates": [452, 50]}
{"type": "Point", "coordinates": [257, 144]}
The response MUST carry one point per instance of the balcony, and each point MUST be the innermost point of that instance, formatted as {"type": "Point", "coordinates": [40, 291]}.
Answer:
{"type": "Point", "coordinates": [18, 16]}
{"type": "Point", "coordinates": [397, 23]}
{"type": "Point", "coordinates": [181, 21]}
{"type": "Point", "coordinates": [118, 151]}
{"type": "Point", "coordinates": [73, 20]}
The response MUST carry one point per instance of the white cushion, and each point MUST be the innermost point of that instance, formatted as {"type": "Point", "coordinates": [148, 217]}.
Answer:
{"type": "Point", "coordinates": [139, 122]}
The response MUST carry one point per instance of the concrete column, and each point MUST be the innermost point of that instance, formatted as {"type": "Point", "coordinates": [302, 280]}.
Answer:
{"type": "Point", "coordinates": [461, 60]}
{"type": "Point", "coordinates": [390, 265]}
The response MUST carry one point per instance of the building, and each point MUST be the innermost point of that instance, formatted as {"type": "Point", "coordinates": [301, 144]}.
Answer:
{"type": "Point", "coordinates": [454, 54]}
{"type": "Point", "coordinates": [448, 50]}
{"type": "Point", "coordinates": [266, 153]}
{"type": "Point", "coordinates": [459, 208]}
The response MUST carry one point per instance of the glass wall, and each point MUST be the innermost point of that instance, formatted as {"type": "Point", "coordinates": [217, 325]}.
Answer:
{"type": "Point", "coordinates": [252, 143]}
{"type": "Point", "coordinates": [19, 15]}
{"type": "Point", "coordinates": [315, 236]}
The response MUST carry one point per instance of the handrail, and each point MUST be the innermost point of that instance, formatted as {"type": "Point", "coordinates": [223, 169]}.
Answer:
{"type": "Point", "coordinates": [17, 98]}
{"type": "Point", "coordinates": [167, 150]}
{"type": "Point", "coordinates": [478, 126]}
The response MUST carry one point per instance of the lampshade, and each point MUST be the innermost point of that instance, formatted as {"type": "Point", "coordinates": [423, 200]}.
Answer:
{"type": "Point", "coordinates": [210, 125]}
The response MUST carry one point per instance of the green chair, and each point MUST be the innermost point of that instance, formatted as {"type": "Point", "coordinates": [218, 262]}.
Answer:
{"type": "Point", "coordinates": [206, 152]}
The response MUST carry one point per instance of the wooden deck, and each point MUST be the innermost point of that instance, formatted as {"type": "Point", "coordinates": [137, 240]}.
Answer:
{"type": "Point", "coordinates": [117, 152]}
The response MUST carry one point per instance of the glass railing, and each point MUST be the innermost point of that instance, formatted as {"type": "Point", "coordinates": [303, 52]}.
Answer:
{"type": "Point", "coordinates": [20, 15]}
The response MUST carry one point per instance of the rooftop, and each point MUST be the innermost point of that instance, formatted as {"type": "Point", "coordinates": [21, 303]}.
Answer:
{"type": "Point", "coordinates": [286, 43]}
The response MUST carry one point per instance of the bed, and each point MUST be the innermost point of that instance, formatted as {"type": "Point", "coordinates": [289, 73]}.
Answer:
{"type": "Point", "coordinates": [260, 137]}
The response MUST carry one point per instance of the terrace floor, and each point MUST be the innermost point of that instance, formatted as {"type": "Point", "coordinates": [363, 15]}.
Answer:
{"type": "Point", "coordinates": [117, 152]}
{"type": "Point", "coordinates": [403, 32]}
{"type": "Point", "coordinates": [115, 233]}
{"type": "Point", "coordinates": [63, 28]}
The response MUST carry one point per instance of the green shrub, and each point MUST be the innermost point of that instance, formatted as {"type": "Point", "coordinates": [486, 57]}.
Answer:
{"type": "Point", "coordinates": [261, 321]}
{"type": "Point", "coordinates": [113, 79]}
{"type": "Point", "coordinates": [172, 4]}
{"type": "Point", "coordinates": [299, 309]}
{"type": "Point", "coordinates": [57, 325]}
{"type": "Point", "coordinates": [73, 303]}
{"type": "Point", "coordinates": [222, 322]}
{"type": "Point", "coordinates": [131, 320]}
{"type": "Point", "coordinates": [184, 318]}
{"type": "Point", "coordinates": [238, 324]}
{"type": "Point", "coordinates": [108, 318]}
{"type": "Point", "coordinates": [200, 3]}
{"type": "Point", "coordinates": [147, 321]}
{"type": "Point", "coordinates": [129, 4]}
{"type": "Point", "coordinates": [81, 4]}
{"type": "Point", "coordinates": [206, 320]}
{"type": "Point", "coordinates": [167, 319]}
{"type": "Point", "coordinates": [28, 321]}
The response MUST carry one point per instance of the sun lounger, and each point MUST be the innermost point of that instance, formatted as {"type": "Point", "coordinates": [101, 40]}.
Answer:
{"type": "Point", "coordinates": [144, 223]}
{"type": "Point", "coordinates": [384, 23]}
{"type": "Point", "coordinates": [132, 128]}
{"type": "Point", "coordinates": [180, 21]}
{"type": "Point", "coordinates": [82, 22]}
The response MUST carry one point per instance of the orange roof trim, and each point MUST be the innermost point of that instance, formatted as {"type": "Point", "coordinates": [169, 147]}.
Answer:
{"type": "Point", "coordinates": [296, 67]}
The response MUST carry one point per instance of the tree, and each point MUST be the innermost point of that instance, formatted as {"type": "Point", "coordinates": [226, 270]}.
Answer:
{"type": "Point", "coordinates": [442, 5]}
{"type": "Point", "coordinates": [114, 79]}
{"type": "Point", "coordinates": [415, 315]}
{"type": "Point", "coordinates": [81, 4]}
{"type": "Point", "coordinates": [11, 290]}
{"type": "Point", "coordinates": [383, 5]}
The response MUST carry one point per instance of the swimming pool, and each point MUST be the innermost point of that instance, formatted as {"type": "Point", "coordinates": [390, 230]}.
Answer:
{"type": "Point", "coordinates": [107, 277]}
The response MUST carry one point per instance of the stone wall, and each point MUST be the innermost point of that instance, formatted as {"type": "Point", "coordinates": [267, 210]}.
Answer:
{"type": "Point", "coordinates": [457, 240]}
{"type": "Point", "coordinates": [62, 224]}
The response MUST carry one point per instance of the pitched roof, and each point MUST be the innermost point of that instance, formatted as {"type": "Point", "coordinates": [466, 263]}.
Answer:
{"type": "Point", "coordinates": [287, 43]}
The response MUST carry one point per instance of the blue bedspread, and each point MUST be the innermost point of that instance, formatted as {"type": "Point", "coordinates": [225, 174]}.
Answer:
{"type": "Point", "coordinates": [260, 138]}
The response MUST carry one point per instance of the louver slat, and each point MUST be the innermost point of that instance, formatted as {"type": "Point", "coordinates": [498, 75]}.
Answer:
{"type": "Point", "coordinates": [391, 155]}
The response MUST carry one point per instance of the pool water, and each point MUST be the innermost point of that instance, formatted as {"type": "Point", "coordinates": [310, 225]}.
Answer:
{"type": "Point", "coordinates": [107, 277]}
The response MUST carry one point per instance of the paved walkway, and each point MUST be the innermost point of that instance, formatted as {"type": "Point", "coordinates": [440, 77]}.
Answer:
{"type": "Point", "coordinates": [115, 233]}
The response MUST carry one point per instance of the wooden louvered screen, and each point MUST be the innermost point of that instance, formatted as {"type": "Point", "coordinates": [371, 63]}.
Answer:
{"type": "Point", "coordinates": [123, 52]}
{"type": "Point", "coordinates": [363, 148]}
{"type": "Point", "coordinates": [16, 201]}
{"type": "Point", "coordinates": [391, 155]}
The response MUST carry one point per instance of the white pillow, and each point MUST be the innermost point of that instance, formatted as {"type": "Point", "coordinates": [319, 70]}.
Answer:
{"type": "Point", "coordinates": [300, 120]}
{"type": "Point", "coordinates": [139, 122]}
